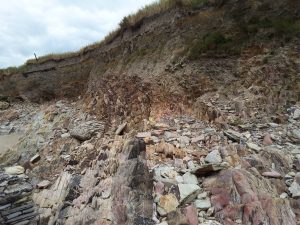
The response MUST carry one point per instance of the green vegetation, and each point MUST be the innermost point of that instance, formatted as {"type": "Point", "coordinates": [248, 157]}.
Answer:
{"type": "Point", "coordinates": [14, 69]}
{"type": "Point", "coordinates": [213, 44]}
{"type": "Point", "coordinates": [274, 27]}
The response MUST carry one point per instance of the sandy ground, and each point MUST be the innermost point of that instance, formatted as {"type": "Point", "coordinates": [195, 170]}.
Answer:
{"type": "Point", "coordinates": [7, 141]}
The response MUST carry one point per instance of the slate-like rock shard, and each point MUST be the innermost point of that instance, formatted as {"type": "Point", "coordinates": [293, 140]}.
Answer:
{"type": "Point", "coordinates": [132, 186]}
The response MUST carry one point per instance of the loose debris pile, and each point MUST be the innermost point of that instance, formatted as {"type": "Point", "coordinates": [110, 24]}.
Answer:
{"type": "Point", "coordinates": [176, 170]}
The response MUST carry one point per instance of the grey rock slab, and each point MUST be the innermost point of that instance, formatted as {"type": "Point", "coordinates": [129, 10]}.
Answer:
{"type": "Point", "coordinates": [189, 178]}
{"type": "Point", "coordinates": [233, 135]}
{"type": "Point", "coordinates": [253, 146]}
{"type": "Point", "coordinates": [188, 192]}
{"type": "Point", "coordinates": [295, 189]}
{"type": "Point", "coordinates": [213, 157]}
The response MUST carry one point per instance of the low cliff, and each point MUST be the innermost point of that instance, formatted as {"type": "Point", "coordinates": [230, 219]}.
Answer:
{"type": "Point", "coordinates": [175, 60]}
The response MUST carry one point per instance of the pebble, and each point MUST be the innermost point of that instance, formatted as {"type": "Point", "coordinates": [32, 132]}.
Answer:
{"type": "Point", "coordinates": [283, 195]}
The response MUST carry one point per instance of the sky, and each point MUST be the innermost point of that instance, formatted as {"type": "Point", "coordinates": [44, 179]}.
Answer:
{"type": "Point", "coordinates": [56, 26]}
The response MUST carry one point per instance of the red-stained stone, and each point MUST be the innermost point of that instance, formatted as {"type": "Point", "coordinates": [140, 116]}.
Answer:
{"type": "Point", "coordinates": [191, 215]}
{"type": "Point", "coordinates": [267, 140]}
{"type": "Point", "coordinates": [159, 187]}
{"type": "Point", "coordinates": [239, 195]}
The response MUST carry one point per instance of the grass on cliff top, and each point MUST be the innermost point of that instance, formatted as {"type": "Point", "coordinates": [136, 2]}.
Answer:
{"type": "Point", "coordinates": [130, 21]}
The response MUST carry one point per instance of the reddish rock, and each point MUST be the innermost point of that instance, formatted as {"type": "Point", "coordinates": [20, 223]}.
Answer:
{"type": "Point", "coordinates": [159, 188]}
{"type": "Point", "coordinates": [267, 140]}
{"type": "Point", "coordinates": [191, 215]}
{"type": "Point", "coordinates": [239, 195]}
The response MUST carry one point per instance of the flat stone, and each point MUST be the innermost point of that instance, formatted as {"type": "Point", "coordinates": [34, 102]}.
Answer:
{"type": "Point", "coordinates": [272, 174]}
{"type": "Point", "coordinates": [253, 146]}
{"type": "Point", "coordinates": [233, 135]}
{"type": "Point", "coordinates": [14, 170]}
{"type": "Point", "coordinates": [206, 169]}
{"type": "Point", "coordinates": [168, 202]}
{"type": "Point", "coordinates": [188, 192]}
{"type": "Point", "coordinates": [189, 178]}
{"type": "Point", "coordinates": [203, 203]}
{"type": "Point", "coordinates": [213, 157]}
{"type": "Point", "coordinates": [184, 141]}
{"type": "Point", "coordinates": [198, 139]}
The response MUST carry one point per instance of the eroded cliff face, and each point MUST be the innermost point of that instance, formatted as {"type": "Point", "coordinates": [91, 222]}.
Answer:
{"type": "Point", "coordinates": [160, 66]}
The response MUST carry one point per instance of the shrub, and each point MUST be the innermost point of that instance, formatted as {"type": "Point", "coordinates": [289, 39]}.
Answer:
{"type": "Point", "coordinates": [213, 43]}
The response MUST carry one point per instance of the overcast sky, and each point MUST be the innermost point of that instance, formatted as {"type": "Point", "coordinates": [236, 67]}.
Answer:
{"type": "Point", "coordinates": [55, 26]}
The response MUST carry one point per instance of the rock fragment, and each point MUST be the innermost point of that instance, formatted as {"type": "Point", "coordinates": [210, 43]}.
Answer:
{"type": "Point", "coordinates": [14, 170]}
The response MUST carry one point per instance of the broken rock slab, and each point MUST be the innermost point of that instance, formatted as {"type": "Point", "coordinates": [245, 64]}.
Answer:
{"type": "Point", "coordinates": [207, 169]}
{"type": "Point", "coordinates": [234, 135]}
{"type": "Point", "coordinates": [188, 192]}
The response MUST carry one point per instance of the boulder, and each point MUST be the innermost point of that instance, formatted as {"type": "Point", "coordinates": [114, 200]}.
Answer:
{"type": "Point", "coordinates": [239, 195]}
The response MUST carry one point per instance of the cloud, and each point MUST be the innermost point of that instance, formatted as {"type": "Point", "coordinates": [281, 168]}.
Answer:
{"type": "Point", "coordinates": [56, 26]}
